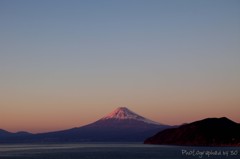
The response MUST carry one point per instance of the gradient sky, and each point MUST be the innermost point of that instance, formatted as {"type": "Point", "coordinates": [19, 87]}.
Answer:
{"type": "Point", "coordinates": [65, 64]}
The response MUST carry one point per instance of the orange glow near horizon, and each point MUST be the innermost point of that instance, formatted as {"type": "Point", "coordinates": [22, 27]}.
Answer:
{"type": "Point", "coordinates": [57, 116]}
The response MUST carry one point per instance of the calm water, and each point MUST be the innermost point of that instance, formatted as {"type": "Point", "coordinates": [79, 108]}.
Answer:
{"type": "Point", "coordinates": [115, 151]}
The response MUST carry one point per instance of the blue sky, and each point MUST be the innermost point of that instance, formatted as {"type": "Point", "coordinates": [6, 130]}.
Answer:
{"type": "Point", "coordinates": [173, 61]}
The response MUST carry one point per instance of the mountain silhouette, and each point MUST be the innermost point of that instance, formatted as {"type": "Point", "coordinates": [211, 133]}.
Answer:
{"type": "Point", "coordinates": [206, 132]}
{"type": "Point", "coordinates": [121, 125]}
{"type": "Point", "coordinates": [4, 133]}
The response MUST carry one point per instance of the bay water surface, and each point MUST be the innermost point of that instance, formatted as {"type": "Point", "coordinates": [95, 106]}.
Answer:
{"type": "Point", "coordinates": [114, 151]}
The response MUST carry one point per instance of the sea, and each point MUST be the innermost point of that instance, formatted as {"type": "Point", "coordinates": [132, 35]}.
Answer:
{"type": "Point", "coordinates": [114, 151]}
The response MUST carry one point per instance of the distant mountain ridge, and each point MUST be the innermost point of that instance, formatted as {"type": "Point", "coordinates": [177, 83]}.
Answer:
{"type": "Point", "coordinates": [121, 125]}
{"type": "Point", "coordinates": [206, 132]}
{"type": "Point", "coordinates": [6, 134]}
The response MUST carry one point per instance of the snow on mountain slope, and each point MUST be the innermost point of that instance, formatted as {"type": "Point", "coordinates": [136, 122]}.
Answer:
{"type": "Point", "coordinates": [123, 113]}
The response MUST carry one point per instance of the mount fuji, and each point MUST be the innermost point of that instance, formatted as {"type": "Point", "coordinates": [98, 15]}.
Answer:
{"type": "Point", "coordinates": [121, 125]}
{"type": "Point", "coordinates": [123, 113]}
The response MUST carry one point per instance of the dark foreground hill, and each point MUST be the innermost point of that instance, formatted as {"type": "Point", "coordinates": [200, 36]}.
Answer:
{"type": "Point", "coordinates": [207, 132]}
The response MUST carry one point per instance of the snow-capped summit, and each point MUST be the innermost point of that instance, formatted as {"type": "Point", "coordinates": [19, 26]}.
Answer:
{"type": "Point", "coordinates": [123, 113]}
